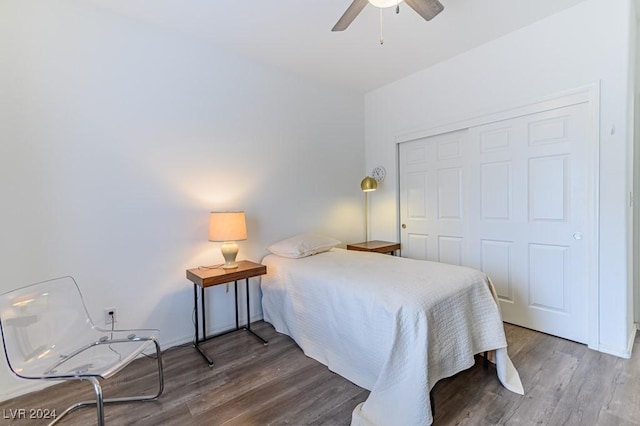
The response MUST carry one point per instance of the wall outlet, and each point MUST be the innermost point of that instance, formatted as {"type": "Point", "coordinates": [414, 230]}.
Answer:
{"type": "Point", "coordinates": [110, 316]}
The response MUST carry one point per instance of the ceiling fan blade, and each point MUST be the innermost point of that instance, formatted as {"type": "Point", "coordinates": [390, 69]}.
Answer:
{"type": "Point", "coordinates": [350, 14]}
{"type": "Point", "coordinates": [428, 9]}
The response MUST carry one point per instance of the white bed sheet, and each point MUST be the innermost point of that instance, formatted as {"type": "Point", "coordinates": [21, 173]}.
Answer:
{"type": "Point", "coordinates": [392, 325]}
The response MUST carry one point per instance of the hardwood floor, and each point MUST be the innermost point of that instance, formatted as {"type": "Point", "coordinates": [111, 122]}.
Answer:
{"type": "Point", "coordinates": [251, 384]}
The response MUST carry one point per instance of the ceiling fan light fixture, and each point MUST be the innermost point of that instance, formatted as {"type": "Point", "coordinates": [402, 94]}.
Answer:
{"type": "Point", "coordinates": [428, 9]}
{"type": "Point", "coordinates": [382, 4]}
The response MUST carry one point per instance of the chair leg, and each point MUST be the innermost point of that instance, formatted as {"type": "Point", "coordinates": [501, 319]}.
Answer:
{"type": "Point", "coordinates": [100, 401]}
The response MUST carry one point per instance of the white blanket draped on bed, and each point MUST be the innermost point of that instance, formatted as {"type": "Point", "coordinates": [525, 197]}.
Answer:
{"type": "Point", "coordinates": [394, 326]}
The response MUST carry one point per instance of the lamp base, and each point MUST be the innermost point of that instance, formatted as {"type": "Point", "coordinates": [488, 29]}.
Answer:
{"type": "Point", "coordinates": [233, 265]}
{"type": "Point", "coordinates": [229, 252]}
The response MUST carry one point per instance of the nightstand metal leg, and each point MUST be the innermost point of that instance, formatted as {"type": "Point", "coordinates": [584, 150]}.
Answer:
{"type": "Point", "coordinates": [195, 308]}
{"type": "Point", "coordinates": [432, 402]}
{"type": "Point", "coordinates": [204, 312]}
{"type": "Point", "coordinates": [196, 343]}
{"type": "Point", "coordinates": [248, 327]}
{"type": "Point", "coordinates": [236, 294]}
{"type": "Point", "coordinates": [204, 355]}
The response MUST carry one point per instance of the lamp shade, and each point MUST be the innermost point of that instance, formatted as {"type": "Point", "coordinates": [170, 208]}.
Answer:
{"type": "Point", "coordinates": [368, 184]}
{"type": "Point", "coordinates": [227, 226]}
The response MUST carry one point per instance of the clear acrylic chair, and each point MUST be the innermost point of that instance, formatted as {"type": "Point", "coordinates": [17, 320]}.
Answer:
{"type": "Point", "coordinates": [48, 335]}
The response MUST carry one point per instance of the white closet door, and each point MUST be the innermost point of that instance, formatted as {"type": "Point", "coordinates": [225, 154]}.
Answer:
{"type": "Point", "coordinates": [433, 198]}
{"type": "Point", "coordinates": [509, 198]}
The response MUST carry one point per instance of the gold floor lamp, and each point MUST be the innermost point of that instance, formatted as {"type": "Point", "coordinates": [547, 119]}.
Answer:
{"type": "Point", "coordinates": [367, 185]}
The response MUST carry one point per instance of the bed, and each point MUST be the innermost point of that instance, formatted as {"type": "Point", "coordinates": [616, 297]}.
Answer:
{"type": "Point", "coordinates": [392, 325]}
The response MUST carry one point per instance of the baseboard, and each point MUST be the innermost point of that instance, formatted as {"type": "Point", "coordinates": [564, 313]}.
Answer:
{"type": "Point", "coordinates": [164, 345]}
{"type": "Point", "coordinates": [632, 339]}
{"type": "Point", "coordinates": [24, 387]}
{"type": "Point", "coordinates": [616, 351]}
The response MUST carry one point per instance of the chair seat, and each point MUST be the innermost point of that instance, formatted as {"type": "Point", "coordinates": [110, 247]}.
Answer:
{"type": "Point", "coordinates": [102, 358]}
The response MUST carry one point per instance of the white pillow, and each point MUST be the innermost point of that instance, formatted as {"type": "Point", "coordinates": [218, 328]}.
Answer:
{"type": "Point", "coordinates": [303, 245]}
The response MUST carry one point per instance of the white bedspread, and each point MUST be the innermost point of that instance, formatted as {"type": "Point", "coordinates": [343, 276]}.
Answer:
{"type": "Point", "coordinates": [392, 325]}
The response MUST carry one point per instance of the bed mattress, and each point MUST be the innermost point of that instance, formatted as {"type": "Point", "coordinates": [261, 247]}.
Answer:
{"type": "Point", "coordinates": [392, 325]}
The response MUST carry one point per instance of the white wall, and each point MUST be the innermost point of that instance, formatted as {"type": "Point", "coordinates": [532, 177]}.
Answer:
{"type": "Point", "coordinates": [116, 140]}
{"type": "Point", "coordinates": [582, 45]}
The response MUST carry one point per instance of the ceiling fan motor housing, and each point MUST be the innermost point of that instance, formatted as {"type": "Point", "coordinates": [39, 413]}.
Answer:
{"type": "Point", "coordinates": [384, 3]}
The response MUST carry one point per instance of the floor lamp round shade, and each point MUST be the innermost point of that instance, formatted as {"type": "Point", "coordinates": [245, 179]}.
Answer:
{"type": "Point", "coordinates": [368, 184]}
{"type": "Point", "coordinates": [228, 227]}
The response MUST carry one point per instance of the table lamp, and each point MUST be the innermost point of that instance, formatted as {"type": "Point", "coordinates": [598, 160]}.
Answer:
{"type": "Point", "coordinates": [228, 227]}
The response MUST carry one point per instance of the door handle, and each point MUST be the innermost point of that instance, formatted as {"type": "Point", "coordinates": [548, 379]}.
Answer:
{"type": "Point", "coordinates": [577, 235]}
{"type": "Point", "coordinates": [404, 226]}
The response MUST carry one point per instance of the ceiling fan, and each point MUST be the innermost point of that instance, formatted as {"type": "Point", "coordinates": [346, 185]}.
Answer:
{"type": "Point", "coordinates": [428, 9]}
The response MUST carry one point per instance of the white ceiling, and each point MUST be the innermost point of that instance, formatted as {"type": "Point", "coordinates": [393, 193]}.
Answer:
{"type": "Point", "coordinates": [296, 34]}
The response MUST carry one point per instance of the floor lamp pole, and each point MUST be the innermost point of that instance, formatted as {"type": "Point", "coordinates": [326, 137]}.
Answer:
{"type": "Point", "coordinates": [366, 216]}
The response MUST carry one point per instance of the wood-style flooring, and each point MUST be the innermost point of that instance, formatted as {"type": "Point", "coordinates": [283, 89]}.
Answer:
{"type": "Point", "coordinates": [250, 384]}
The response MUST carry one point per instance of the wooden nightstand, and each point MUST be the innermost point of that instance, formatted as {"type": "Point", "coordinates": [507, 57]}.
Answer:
{"type": "Point", "coordinates": [208, 276]}
{"type": "Point", "coordinates": [375, 246]}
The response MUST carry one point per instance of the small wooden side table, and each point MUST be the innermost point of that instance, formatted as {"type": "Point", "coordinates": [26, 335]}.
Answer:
{"type": "Point", "coordinates": [375, 246]}
{"type": "Point", "coordinates": [204, 277]}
